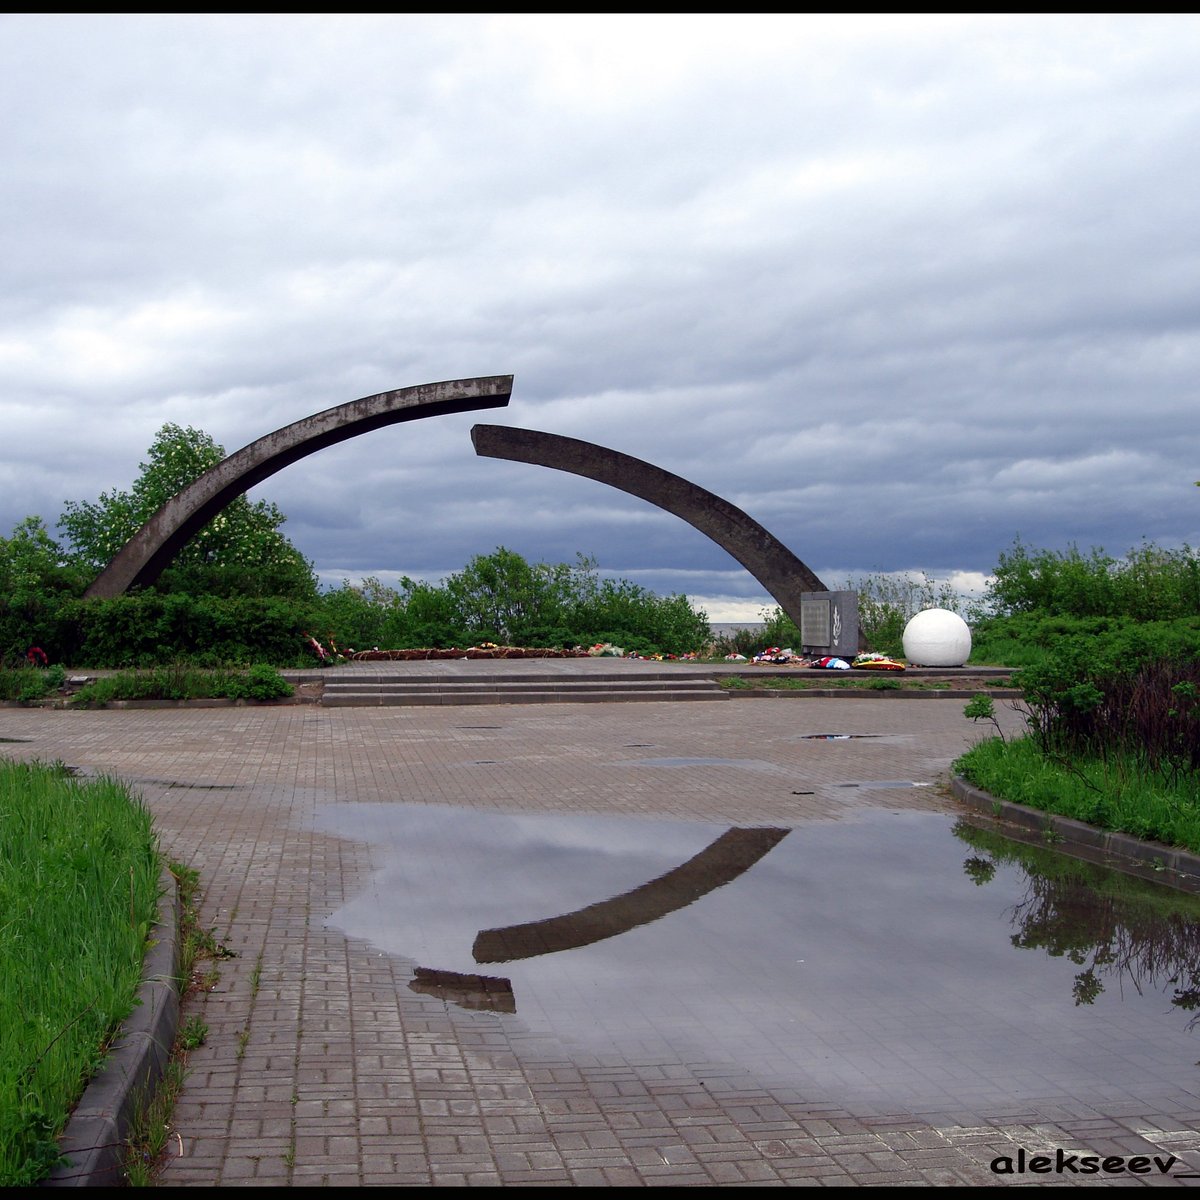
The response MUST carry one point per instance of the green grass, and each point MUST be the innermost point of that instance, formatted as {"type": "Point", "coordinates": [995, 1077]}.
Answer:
{"type": "Point", "coordinates": [79, 892]}
{"type": "Point", "coordinates": [150, 1126]}
{"type": "Point", "coordinates": [181, 681]}
{"type": "Point", "coordinates": [830, 679]}
{"type": "Point", "coordinates": [1117, 793]}
{"type": "Point", "coordinates": [27, 684]}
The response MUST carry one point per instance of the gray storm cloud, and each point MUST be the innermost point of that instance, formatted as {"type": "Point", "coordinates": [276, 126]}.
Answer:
{"type": "Point", "coordinates": [902, 289]}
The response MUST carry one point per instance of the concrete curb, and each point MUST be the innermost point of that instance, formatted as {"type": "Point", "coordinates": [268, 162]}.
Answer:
{"type": "Point", "coordinates": [1148, 860]}
{"type": "Point", "coordinates": [561, 693]}
{"type": "Point", "coordinates": [94, 1138]}
{"type": "Point", "coordinates": [199, 702]}
{"type": "Point", "coordinates": [900, 693]}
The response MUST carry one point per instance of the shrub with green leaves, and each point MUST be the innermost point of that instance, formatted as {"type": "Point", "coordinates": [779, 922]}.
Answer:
{"type": "Point", "coordinates": [183, 681]}
{"type": "Point", "coordinates": [502, 598]}
{"type": "Point", "coordinates": [1147, 584]}
{"type": "Point", "coordinates": [28, 684]}
{"type": "Point", "coordinates": [35, 574]}
{"type": "Point", "coordinates": [1130, 691]}
{"type": "Point", "coordinates": [261, 682]}
{"type": "Point", "coordinates": [149, 627]}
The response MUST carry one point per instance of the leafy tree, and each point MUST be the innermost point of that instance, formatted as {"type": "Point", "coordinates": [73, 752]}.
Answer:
{"type": "Point", "coordinates": [239, 552]}
{"type": "Point", "coordinates": [1148, 584]}
{"type": "Point", "coordinates": [33, 564]}
{"type": "Point", "coordinates": [502, 596]}
{"type": "Point", "coordinates": [357, 616]}
{"type": "Point", "coordinates": [34, 573]}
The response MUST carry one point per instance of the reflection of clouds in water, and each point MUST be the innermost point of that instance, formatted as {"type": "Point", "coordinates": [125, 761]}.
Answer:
{"type": "Point", "coordinates": [453, 872]}
{"type": "Point", "coordinates": [852, 955]}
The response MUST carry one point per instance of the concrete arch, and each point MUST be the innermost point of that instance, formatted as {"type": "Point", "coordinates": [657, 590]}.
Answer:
{"type": "Point", "coordinates": [144, 557]}
{"type": "Point", "coordinates": [762, 554]}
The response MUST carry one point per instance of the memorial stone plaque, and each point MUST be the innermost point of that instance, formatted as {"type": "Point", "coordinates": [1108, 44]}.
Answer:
{"type": "Point", "coordinates": [815, 622]}
{"type": "Point", "coordinates": [829, 623]}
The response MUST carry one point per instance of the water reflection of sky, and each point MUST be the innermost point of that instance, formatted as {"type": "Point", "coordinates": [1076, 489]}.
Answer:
{"type": "Point", "coordinates": [856, 959]}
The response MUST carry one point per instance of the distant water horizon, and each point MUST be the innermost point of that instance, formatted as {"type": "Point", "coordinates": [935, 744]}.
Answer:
{"type": "Point", "coordinates": [724, 628]}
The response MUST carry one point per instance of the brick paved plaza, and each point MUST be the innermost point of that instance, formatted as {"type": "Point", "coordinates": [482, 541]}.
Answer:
{"type": "Point", "coordinates": [335, 1071]}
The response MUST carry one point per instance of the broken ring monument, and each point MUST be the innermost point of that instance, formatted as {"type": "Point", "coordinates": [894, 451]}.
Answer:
{"type": "Point", "coordinates": [827, 620]}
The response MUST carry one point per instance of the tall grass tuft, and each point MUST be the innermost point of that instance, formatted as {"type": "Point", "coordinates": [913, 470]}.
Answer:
{"type": "Point", "coordinates": [183, 681]}
{"type": "Point", "coordinates": [79, 892]}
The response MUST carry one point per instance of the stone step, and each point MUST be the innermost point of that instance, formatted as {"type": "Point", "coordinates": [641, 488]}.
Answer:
{"type": "Point", "coordinates": [494, 678]}
{"type": "Point", "coordinates": [378, 699]}
{"type": "Point", "coordinates": [515, 691]}
{"type": "Point", "coordinates": [519, 685]}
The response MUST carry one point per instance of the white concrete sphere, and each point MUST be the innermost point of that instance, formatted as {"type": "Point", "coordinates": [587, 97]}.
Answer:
{"type": "Point", "coordinates": [937, 637]}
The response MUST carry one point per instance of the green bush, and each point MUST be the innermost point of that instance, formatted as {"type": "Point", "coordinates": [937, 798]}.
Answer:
{"type": "Point", "coordinates": [262, 682]}
{"type": "Point", "coordinates": [35, 575]}
{"type": "Point", "coordinates": [498, 598]}
{"type": "Point", "coordinates": [1148, 584]}
{"type": "Point", "coordinates": [34, 687]}
{"type": "Point", "coordinates": [148, 627]}
{"type": "Point", "coordinates": [28, 684]}
{"type": "Point", "coordinates": [1133, 693]}
{"type": "Point", "coordinates": [502, 598]}
{"type": "Point", "coordinates": [360, 617]}
{"type": "Point", "coordinates": [184, 681]}
{"type": "Point", "coordinates": [1028, 639]}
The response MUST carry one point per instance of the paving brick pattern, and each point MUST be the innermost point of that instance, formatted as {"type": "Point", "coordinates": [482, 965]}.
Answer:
{"type": "Point", "coordinates": [323, 1067]}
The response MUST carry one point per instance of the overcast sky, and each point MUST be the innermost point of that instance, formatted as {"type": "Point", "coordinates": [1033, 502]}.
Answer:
{"type": "Point", "coordinates": [901, 288]}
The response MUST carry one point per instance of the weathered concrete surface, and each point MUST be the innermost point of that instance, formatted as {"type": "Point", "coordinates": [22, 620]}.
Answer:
{"type": "Point", "coordinates": [760, 552]}
{"type": "Point", "coordinates": [144, 557]}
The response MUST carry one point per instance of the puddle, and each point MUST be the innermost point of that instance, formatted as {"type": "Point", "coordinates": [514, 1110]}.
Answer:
{"type": "Point", "coordinates": [892, 959]}
{"type": "Point", "coordinates": [486, 992]}
{"type": "Point", "coordinates": [191, 787]}
{"type": "Point", "coordinates": [750, 764]}
{"type": "Point", "coordinates": [880, 784]}
{"type": "Point", "coordinates": [836, 737]}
